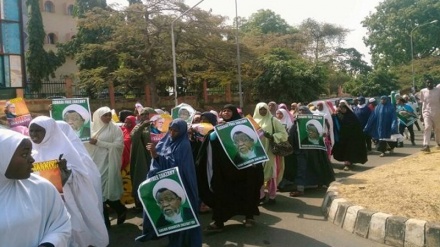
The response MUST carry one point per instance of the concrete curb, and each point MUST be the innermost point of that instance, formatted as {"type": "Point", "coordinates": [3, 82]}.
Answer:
{"type": "Point", "coordinates": [377, 226]}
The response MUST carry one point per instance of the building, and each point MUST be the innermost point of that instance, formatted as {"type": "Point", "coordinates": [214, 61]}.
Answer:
{"type": "Point", "coordinates": [60, 27]}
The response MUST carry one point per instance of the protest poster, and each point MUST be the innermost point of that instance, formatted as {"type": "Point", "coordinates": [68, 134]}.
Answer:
{"type": "Point", "coordinates": [241, 143]}
{"type": "Point", "coordinates": [18, 113]}
{"type": "Point", "coordinates": [183, 111]}
{"type": "Point", "coordinates": [311, 131]}
{"type": "Point", "coordinates": [159, 126]}
{"type": "Point", "coordinates": [257, 127]}
{"type": "Point", "coordinates": [75, 112]}
{"type": "Point", "coordinates": [50, 171]}
{"type": "Point", "coordinates": [166, 203]}
{"type": "Point", "coordinates": [200, 130]}
{"type": "Point", "coordinates": [406, 116]}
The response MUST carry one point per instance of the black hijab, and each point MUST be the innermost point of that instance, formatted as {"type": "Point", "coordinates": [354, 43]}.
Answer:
{"type": "Point", "coordinates": [235, 114]}
{"type": "Point", "coordinates": [210, 117]}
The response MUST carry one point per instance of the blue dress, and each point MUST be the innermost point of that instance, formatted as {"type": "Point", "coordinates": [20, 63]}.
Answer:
{"type": "Point", "coordinates": [176, 153]}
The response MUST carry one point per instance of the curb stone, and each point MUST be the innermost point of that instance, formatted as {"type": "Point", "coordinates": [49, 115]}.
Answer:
{"type": "Point", "coordinates": [377, 226]}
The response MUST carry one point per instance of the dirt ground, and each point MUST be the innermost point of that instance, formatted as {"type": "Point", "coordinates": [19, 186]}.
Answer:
{"type": "Point", "coordinates": [408, 187]}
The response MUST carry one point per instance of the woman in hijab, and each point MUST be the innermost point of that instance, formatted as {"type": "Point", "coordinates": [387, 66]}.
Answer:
{"type": "Point", "coordinates": [284, 106]}
{"type": "Point", "coordinates": [81, 201]}
{"type": "Point", "coordinates": [226, 189]}
{"type": "Point", "coordinates": [313, 168]}
{"type": "Point", "coordinates": [129, 123]}
{"type": "Point", "coordinates": [284, 117]}
{"type": "Point", "coordinates": [105, 147]}
{"type": "Point", "coordinates": [274, 168]}
{"type": "Point", "coordinates": [196, 143]}
{"type": "Point", "coordinates": [174, 150]}
{"type": "Point", "coordinates": [93, 171]}
{"type": "Point", "coordinates": [382, 124]}
{"type": "Point", "coordinates": [128, 126]}
{"type": "Point", "coordinates": [350, 142]}
{"type": "Point", "coordinates": [325, 110]}
{"type": "Point", "coordinates": [32, 211]}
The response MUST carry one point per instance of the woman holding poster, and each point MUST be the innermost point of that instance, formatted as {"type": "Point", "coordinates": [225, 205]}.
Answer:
{"type": "Point", "coordinates": [227, 190]}
{"type": "Point", "coordinates": [81, 201]}
{"type": "Point", "coordinates": [174, 150]}
{"type": "Point", "coordinates": [274, 168]}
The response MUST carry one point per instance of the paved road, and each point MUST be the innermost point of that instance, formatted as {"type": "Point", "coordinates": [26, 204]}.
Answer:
{"type": "Point", "coordinates": [291, 222]}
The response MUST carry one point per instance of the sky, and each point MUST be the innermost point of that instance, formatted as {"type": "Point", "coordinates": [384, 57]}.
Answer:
{"type": "Point", "coordinates": [345, 13]}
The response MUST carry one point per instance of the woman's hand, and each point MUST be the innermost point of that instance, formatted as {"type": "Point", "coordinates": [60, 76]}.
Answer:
{"type": "Point", "coordinates": [93, 141]}
{"type": "Point", "coordinates": [152, 148]}
{"type": "Point", "coordinates": [268, 135]}
{"type": "Point", "coordinates": [62, 164]}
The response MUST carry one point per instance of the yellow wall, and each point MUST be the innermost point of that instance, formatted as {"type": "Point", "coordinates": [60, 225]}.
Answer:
{"type": "Point", "coordinates": [63, 25]}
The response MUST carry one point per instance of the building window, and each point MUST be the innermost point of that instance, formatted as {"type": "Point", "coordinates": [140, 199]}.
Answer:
{"type": "Point", "coordinates": [70, 9]}
{"type": "Point", "coordinates": [49, 7]}
{"type": "Point", "coordinates": [51, 38]}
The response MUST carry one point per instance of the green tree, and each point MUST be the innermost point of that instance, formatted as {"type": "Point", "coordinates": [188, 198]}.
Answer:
{"type": "Point", "coordinates": [40, 64]}
{"type": "Point", "coordinates": [376, 83]}
{"type": "Point", "coordinates": [266, 21]}
{"type": "Point", "coordinates": [286, 77]}
{"type": "Point", "coordinates": [389, 31]}
{"type": "Point", "coordinates": [349, 60]}
{"type": "Point", "coordinates": [323, 38]}
{"type": "Point", "coordinates": [131, 48]}
{"type": "Point", "coordinates": [82, 6]}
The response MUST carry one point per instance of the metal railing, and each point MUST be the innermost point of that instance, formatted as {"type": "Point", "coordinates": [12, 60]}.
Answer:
{"type": "Point", "coordinates": [49, 89]}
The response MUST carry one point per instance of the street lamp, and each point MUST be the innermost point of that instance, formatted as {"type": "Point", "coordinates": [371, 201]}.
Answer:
{"type": "Point", "coordinates": [174, 49]}
{"type": "Point", "coordinates": [240, 91]}
{"type": "Point", "coordinates": [412, 52]}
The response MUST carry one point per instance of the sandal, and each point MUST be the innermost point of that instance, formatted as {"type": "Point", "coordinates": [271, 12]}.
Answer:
{"type": "Point", "coordinates": [213, 228]}
{"type": "Point", "coordinates": [296, 193]}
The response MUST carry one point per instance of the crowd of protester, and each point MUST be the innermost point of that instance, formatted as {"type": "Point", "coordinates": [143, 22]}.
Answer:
{"type": "Point", "coordinates": [92, 177]}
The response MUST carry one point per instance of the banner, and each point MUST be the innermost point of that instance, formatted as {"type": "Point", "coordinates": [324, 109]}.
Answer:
{"type": "Point", "coordinates": [241, 143]}
{"type": "Point", "coordinates": [310, 131]}
{"type": "Point", "coordinates": [75, 112]}
{"type": "Point", "coordinates": [405, 115]}
{"type": "Point", "coordinates": [17, 113]}
{"type": "Point", "coordinates": [50, 171]}
{"type": "Point", "coordinates": [166, 203]}
{"type": "Point", "coordinates": [159, 126]}
{"type": "Point", "coordinates": [183, 111]}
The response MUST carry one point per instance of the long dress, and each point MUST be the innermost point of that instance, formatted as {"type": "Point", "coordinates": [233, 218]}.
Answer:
{"type": "Point", "coordinates": [350, 142]}
{"type": "Point", "coordinates": [94, 175]}
{"type": "Point", "coordinates": [81, 201]}
{"type": "Point", "coordinates": [176, 152]}
{"type": "Point", "coordinates": [127, 197]}
{"type": "Point", "coordinates": [140, 158]}
{"type": "Point", "coordinates": [107, 154]}
{"type": "Point", "coordinates": [227, 190]}
{"type": "Point", "coordinates": [275, 163]}
{"type": "Point", "coordinates": [382, 124]}
{"type": "Point", "coordinates": [32, 211]}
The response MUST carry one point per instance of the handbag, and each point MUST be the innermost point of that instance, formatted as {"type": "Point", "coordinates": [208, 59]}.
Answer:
{"type": "Point", "coordinates": [281, 148]}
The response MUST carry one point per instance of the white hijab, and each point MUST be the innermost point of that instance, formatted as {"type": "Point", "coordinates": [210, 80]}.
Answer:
{"type": "Point", "coordinates": [32, 211]}
{"type": "Point", "coordinates": [88, 227]}
{"type": "Point", "coordinates": [93, 171]}
{"type": "Point", "coordinates": [98, 125]}
{"type": "Point", "coordinates": [56, 143]}
{"type": "Point", "coordinates": [286, 120]}
{"type": "Point", "coordinates": [327, 113]}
